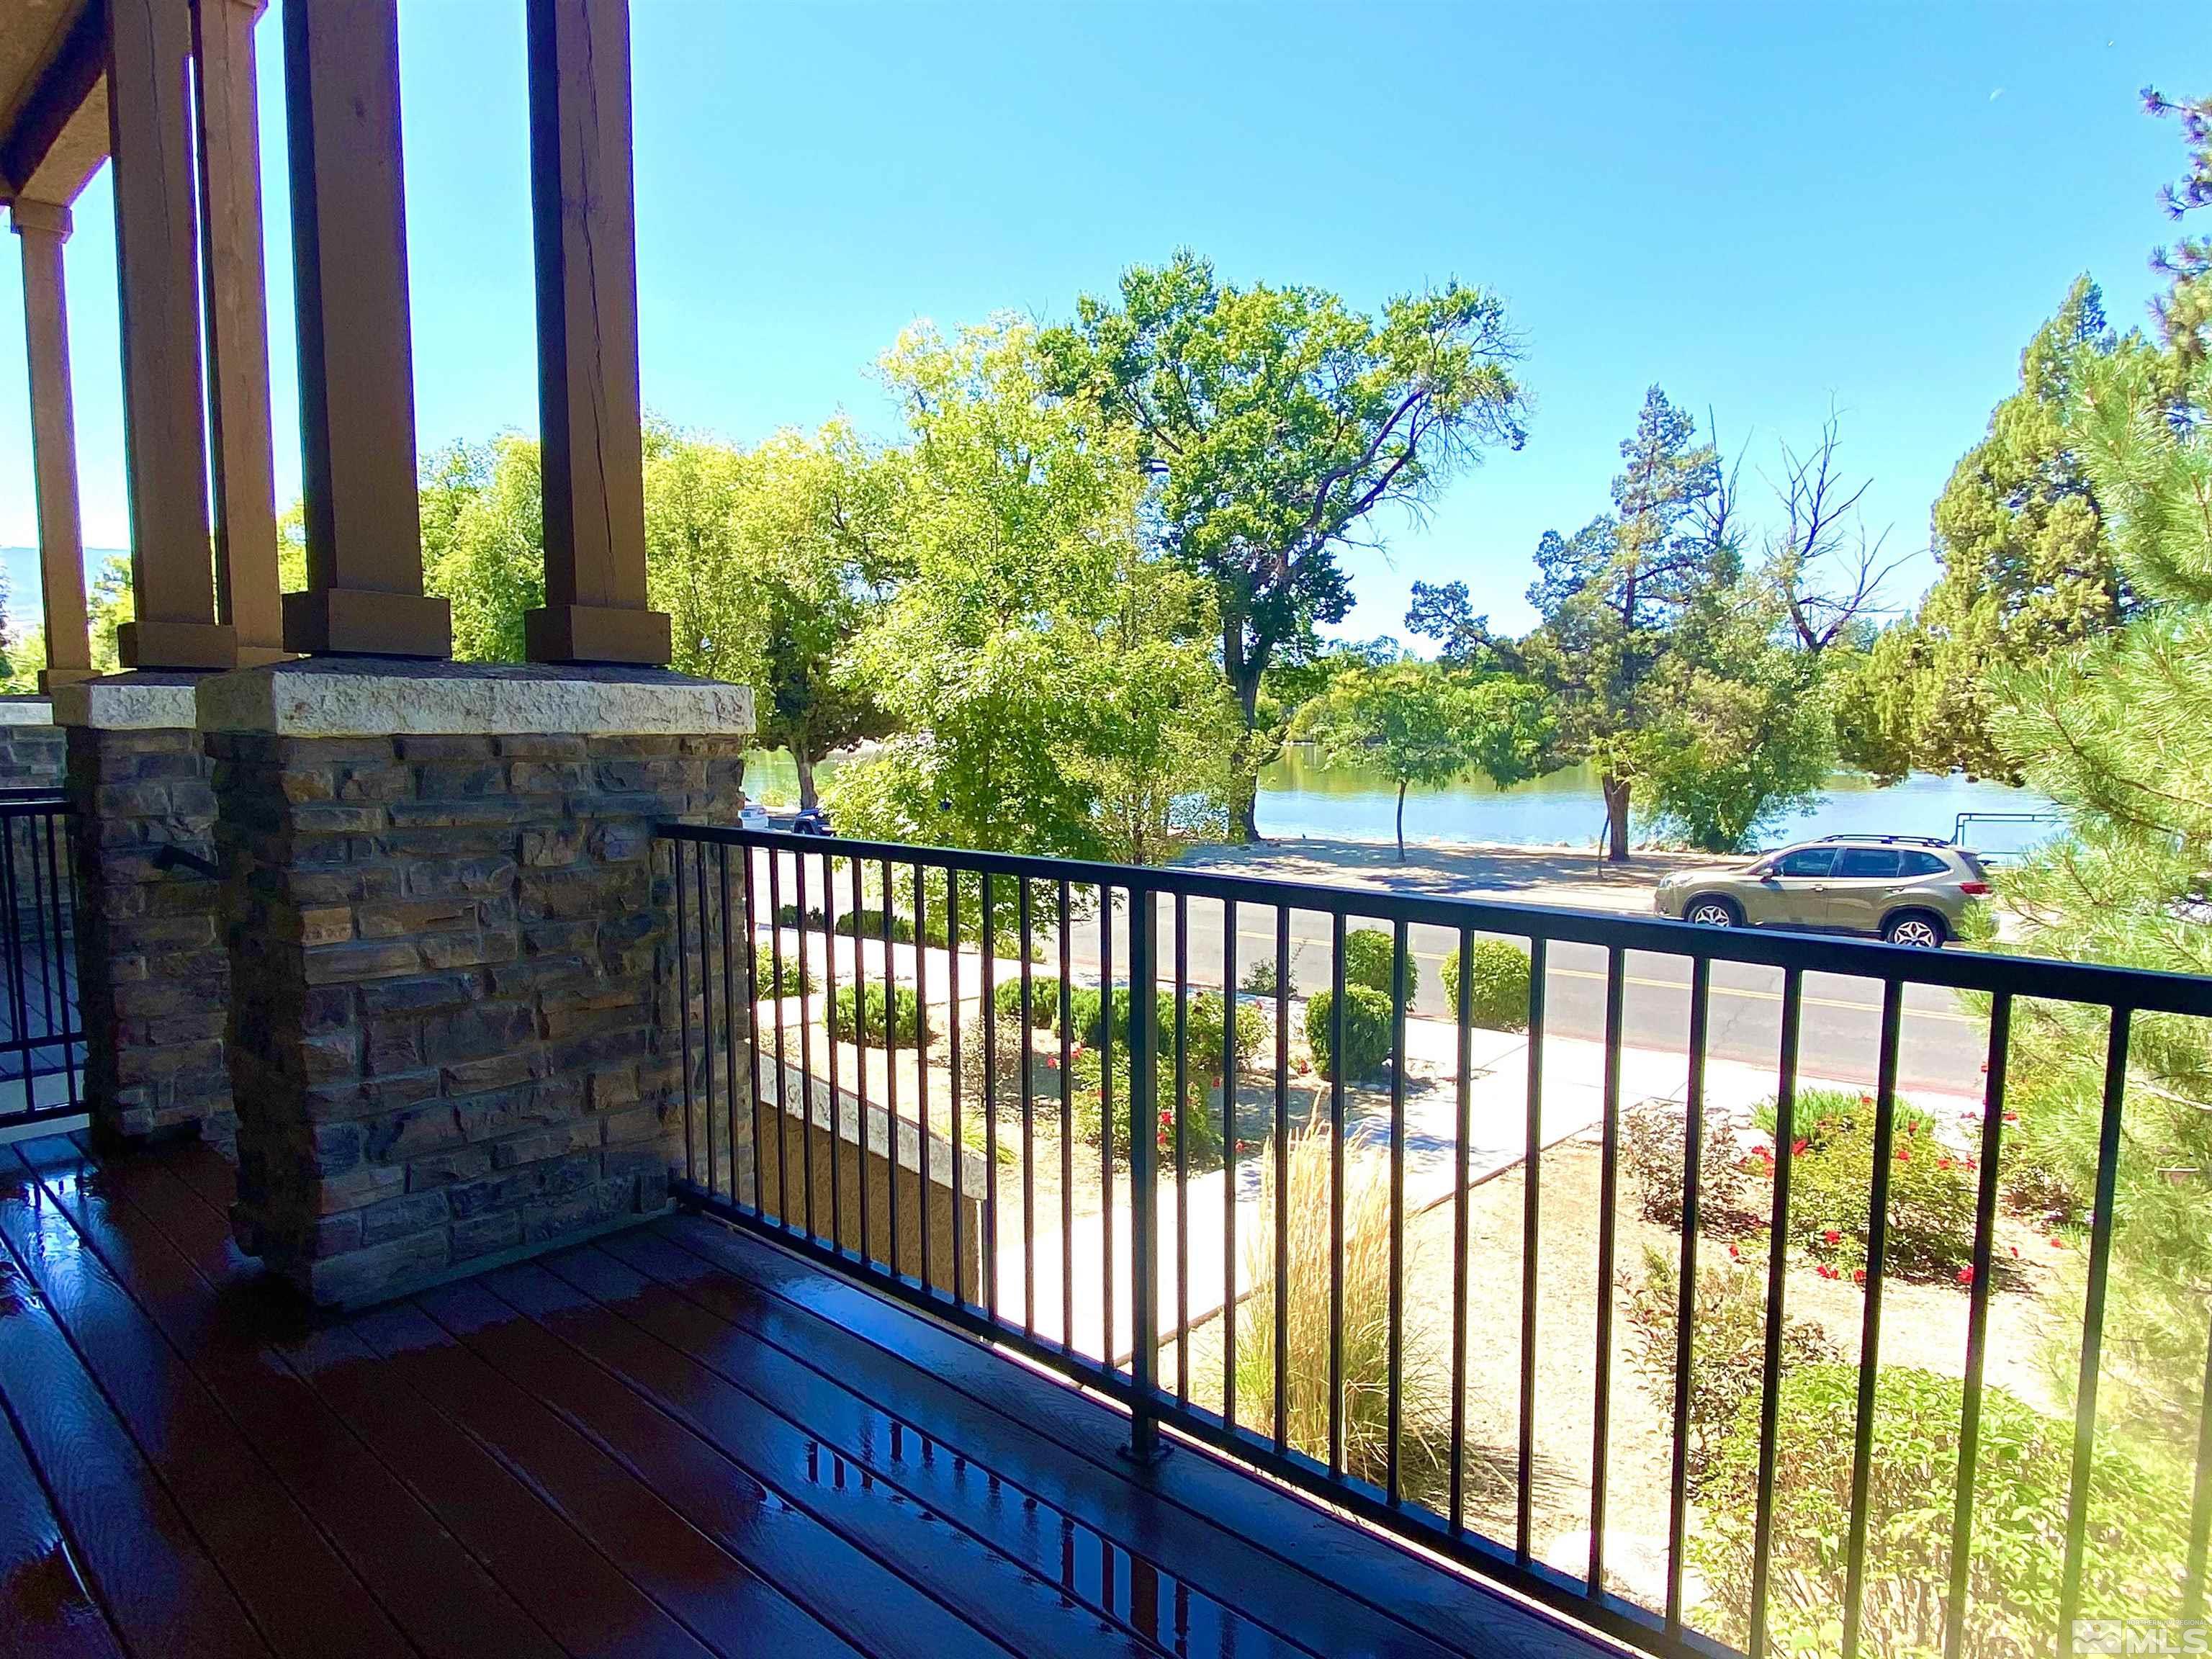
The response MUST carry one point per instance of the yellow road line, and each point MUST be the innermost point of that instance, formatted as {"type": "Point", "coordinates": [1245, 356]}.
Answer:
{"type": "Point", "coordinates": [1751, 992]}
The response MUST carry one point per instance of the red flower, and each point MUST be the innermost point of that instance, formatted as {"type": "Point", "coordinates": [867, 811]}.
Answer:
{"type": "Point", "coordinates": [1832, 1236]}
{"type": "Point", "coordinates": [1942, 1163]}
{"type": "Point", "coordinates": [2012, 1117]}
{"type": "Point", "coordinates": [1827, 1271]}
{"type": "Point", "coordinates": [1799, 1145]}
{"type": "Point", "coordinates": [1866, 1100]}
{"type": "Point", "coordinates": [1734, 1254]}
{"type": "Point", "coordinates": [1967, 1275]}
{"type": "Point", "coordinates": [1858, 1275]}
{"type": "Point", "coordinates": [2057, 1242]}
{"type": "Point", "coordinates": [1904, 1154]}
{"type": "Point", "coordinates": [2015, 1249]}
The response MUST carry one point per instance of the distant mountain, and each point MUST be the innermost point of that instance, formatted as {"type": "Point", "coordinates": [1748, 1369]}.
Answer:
{"type": "Point", "coordinates": [21, 564]}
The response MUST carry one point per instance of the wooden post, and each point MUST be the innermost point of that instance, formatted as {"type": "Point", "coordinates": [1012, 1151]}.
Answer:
{"type": "Point", "coordinates": [165, 437]}
{"type": "Point", "coordinates": [44, 227]}
{"type": "Point", "coordinates": [583, 214]}
{"type": "Point", "coordinates": [356, 373]}
{"type": "Point", "coordinates": [245, 581]}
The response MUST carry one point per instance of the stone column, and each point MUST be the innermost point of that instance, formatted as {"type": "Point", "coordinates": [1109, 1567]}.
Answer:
{"type": "Point", "coordinates": [452, 939]}
{"type": "Point", "coordinates": [245, 580]}
{"type": "Point", "coordinates": [153, 974]}
{"type": "Point", "coordinates": [44, 227]}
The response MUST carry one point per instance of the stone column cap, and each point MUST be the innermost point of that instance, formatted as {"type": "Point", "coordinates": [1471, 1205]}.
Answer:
{"type": "Point", "coordinates": [385, 696]}
{"type": "Point", "coordinates": [136, 700]}
{"type": "Point", "coordinates": [25, 711]}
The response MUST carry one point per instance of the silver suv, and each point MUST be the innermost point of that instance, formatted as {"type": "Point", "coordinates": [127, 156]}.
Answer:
{"type": "Point", "coordinates": [1909, 890]}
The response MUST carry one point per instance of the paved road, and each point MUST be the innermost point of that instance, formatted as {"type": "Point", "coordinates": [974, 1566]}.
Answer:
{"type": "Point", "coordinates": [1943, 1044]}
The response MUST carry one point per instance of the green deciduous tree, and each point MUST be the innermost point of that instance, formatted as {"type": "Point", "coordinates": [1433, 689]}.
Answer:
{"type": "Point", "coordinates": [482, 514]}
{"type": "Point", "coordinates": [1417, 723]}
{"type": "Point", "coordinates": [1270, 423]}
{"type": "Point", "coordinates": [1047, 675]}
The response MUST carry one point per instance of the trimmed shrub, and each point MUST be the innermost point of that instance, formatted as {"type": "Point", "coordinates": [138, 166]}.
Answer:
{"type": "Point", "coordinates": [1500, 972]}
{"type": "Point", "coordinates": [796, 976]}
{"type": "Point", "coordinates": [1044, 1000]}
{"type": "Point", "coordinates": [2138, 1517]}
{"type": "Point", "coordinates": [1368, 953]}
{"type": "Point", "coordinates": [906, 1020]}
{"type": "Point", "coordinates": [787, 916]}
{"type": "Point", "coordinates": [1368, 1019]}
{"type": "Point", "coordinates": [1728, 1346]}
{"type": "Point", "coordinates": [870, 924]}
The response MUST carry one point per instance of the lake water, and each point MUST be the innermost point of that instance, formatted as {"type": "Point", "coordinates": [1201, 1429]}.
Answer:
{"type": "Point", "coordinates": [1300, 797]}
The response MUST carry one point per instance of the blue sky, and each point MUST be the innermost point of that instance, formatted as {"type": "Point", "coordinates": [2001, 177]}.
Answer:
{"type": "Point", "coordinates": [1763, 208]}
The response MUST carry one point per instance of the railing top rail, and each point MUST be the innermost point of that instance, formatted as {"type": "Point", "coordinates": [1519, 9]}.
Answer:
{"type": "Point", "coordinates": [2142, 990]}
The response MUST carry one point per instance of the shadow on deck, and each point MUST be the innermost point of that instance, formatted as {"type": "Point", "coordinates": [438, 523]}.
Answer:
{"type": "Point", "coordinates": [679, 1440]}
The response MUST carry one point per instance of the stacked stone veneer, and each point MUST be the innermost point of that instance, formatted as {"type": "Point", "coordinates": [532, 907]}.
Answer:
{"type": "Point", "coordinates": [454, 982]}
{"type": "Point", "coordinates": [153, 972]}
{"type": "Point", "coordinates": [33, 748]}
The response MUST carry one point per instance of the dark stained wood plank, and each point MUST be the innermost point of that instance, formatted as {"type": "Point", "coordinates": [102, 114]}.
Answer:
{"type": "Point", "coordinates": [45, 1605]}
{"type": "Point", "coordinates": [649, 1345]}
{"type": "Point", "coordinates": [299, 1592]}
{"type": "Point", "coordinates": [870, 1607]}
{"type": "Point", "coordinates": [137, 1552]}
{"type": "Point", "coordinates": [438, 1593]}
{"type": "Point", "coordinates": [547, 1565]}
{"type": "Point", "coordinates": [957, 1466]}
{"type": "Point", "coordinates": [714, 1594]}
{"type": "Point", "coordinates": [1368, 1569]}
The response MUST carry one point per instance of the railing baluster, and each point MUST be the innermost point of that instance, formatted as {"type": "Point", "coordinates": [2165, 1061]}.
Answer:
{"type": "Point", "coordinates": [860, 1057]}
{"type": "Point", "coordinates": [921, 1067]}
{"type": "Point", "coordinates": [1029, 1119]}
{"type": "Point", "coordinates": [1181, 1163]}
{"type": "Point", "coordinates": [2093, 1326]}
{"type": "Point", "coordinates": [956, 1132]}
{"type": "Point", "coordinates": [893, 1164]}
{"type": "Point", "coordinates": [1106, 1123]}
{"type": "Point", "coordinates": [1229, 1163]}
{"type": "Point", "coordinates": [1394, 1333]}
{"type": "Point", "coordinates": [753, 1039]}
{"type": "Point", "coordinates": [1777, 1271]}
{"type": "Point", "coordinates": [1616, 993]}
{"type": "Point", "coordinates": [1144, 1233]}
{"type": "Point", "coordinates": [1462, 999]}
{"type": "Point", "coordinates": [1977, 1325]}
{"type": "Point", "coordinates": [1531, 1191]}
{"type": "Point", "coordinates": [1282, 1311]}
{"type": "Point", "coordinates": [829, 1046]}
{"type": "Point", "coordinates": [1066, 1119]}
{"type": "Point", "coordinates": [1694, 1137]}
{"type": "Point", "coordinates": [1336, 1069]}
{"type": "Point", "coordinates": [805, 1056]}
{"type": "Point", "coordinates": [683, 996]}
{"type": "Point", "coordinates": [987, 926]}
{"type": "Point", "coordinates": [730, 1006]}
{"type": "Point", "coordinates": [1885, 1130]}
{"type": "Point", "coordinates": [774, 1003]}
{"type": "Point", "coordinates": [707, 1016]}
{"type": "Point", "coordinates": [60, 874]}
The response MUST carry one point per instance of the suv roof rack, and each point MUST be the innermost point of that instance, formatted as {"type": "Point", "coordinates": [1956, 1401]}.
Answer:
{"type": "Point", "coordinates": [1892, 841]}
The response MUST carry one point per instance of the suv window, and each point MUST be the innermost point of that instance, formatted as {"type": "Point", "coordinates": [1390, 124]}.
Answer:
{"type": "Point", "coordinates": [1920, 864]}
{"type": "Point", "coordinates": [1867, 862]}
{"type": "Point", "coordinates": [1807, 862]}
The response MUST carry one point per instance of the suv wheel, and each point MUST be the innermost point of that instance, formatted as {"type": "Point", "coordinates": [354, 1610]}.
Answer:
{"type": "Point", "coordinates": [1713, 912]}
{"type": "Point", "coordinates": [1916, 928]}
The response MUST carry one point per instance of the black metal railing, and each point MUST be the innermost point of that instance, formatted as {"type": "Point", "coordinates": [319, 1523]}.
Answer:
{"type": "Point", "coordinates": [1241, 1247]}
{"type": "Point", "coordinates": [41, 1041]}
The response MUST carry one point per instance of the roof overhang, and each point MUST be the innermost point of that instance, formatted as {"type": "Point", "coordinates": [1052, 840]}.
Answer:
{"type": "Point", "coordinates": [53, 97]}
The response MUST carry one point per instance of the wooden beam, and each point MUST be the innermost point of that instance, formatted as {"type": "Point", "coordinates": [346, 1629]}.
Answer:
{"type": "Point", "coordinates": [62, 85]}
{"type": "Point", "coordinates": [583, 209]}
{"type": "Point", "coordinates": [44, 227]}
{"type": "Point", "coordinates": [165, 435]}
{"type": "Point", "coordinates": [356, 371]}
{"type": "Point", "coordinates": [246, 587]}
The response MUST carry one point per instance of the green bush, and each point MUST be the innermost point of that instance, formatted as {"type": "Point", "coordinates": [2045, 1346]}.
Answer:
{"type": "Point", "coordinates": [1044, 1000]}
{"type": "Point", "coordinates": [1730, 1201]}
{"type": "Point", "coordinates": [869, 925]}
{"type": "Point", "coordinates": [1260, 978]}
{"type": "Point", "coordinates": [1728, 1346]}
{"type": "Point", "coordinates": [906, 1020]}
{"type": "Point", "coordinates": [1500, 973]}
{"type": "Point", "coordinates": [2137, 1521]}
{"type": "Point", "coordinates": [1367, 1030]}
{"type": "Point", "coordinates": [787, 916]}
{"type": "Point", "coordinates": [1202, 1140]}
{"type": "Point", "coordinates": [795, 978]}
{"type": "Point", "coordinates": [1368, 953]}
{"type": "Point", "coordinates": [1930, 1233]}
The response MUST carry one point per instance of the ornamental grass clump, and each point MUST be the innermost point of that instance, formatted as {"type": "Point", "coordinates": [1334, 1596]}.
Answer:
{"type": "Point", "coordinates": [1424, 1436]}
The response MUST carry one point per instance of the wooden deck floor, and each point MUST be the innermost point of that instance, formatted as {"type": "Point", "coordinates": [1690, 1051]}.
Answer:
{"type": "Point", "coordinates": [678, 1441]}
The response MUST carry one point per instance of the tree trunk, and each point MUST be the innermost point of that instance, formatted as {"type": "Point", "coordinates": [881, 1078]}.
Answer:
{"type": "Point", "coordinates": [806, 764]}
{"type": "Point", "coordinates": [1402, 820]}
{"type": "Point", "coordinates": [1243, 676]}
{"type": "Point", "coordinates": [1616, 818]}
